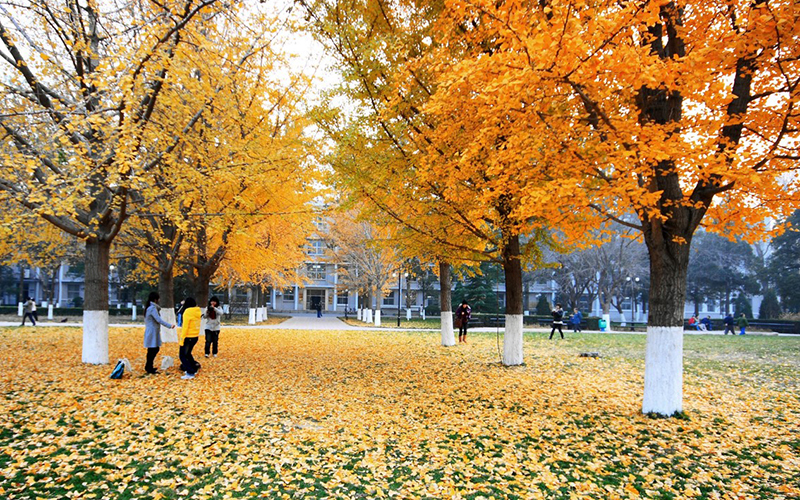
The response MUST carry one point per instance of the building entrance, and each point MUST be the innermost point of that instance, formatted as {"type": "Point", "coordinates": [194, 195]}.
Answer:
{"type": "Point", "coordinates": [315, 298]}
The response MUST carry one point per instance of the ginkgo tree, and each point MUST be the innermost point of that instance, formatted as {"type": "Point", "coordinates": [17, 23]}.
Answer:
{"type": "Point", "coordinates": [681, 112]}
{"type": "Point", "coordinates": [99, 96]}
{"type": "Point", "coordinates": [393, 156]}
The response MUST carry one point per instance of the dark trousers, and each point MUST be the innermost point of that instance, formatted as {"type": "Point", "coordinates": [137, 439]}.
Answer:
{"type": "Point", "coordinates": [212, 341]}
{"type": "Point", "coordinates": [151, 357]}
{"type": "Point", "coordinates": [729, 328]}
{"type": "Point", "coordinates": [31, 316]}
{"type": "Point", "coordinates": [462, 328]}
{"type": "Point", "coordinates": [556, 325]}
{"type": "Point", "coordinates": [576, 327]}
{"type": "Point", "coordinates": [188, 363]}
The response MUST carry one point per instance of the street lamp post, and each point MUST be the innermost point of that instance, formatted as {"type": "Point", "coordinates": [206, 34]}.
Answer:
{"type": "Point", "coordinates": [633, 282]}
{"type": "Point", "coordinates": [399, 294]}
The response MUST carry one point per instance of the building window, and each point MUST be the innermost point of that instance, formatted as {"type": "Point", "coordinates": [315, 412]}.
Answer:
{"type": "Point", "coordinates": [389, 300]}
{"type": "Point", "coordinates": [73, 291]}
{"type": "Point", "coordinates": [316, 271]}
{"type": "Point", "coordinates": [288, 294]}
{"type": "Point", "coordinates": [342, 298]}
{"type": "Point", "coordinates": [315, 247]}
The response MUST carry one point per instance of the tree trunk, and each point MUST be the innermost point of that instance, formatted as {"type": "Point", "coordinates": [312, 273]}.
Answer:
{"type": "Point", "coordinates": [663, 372]}
{"type": "Point", "coordinates": [95, 306]}
{"type": "Point", "coordinates": [166, 290]}
{"type": "Point", "coordinates": [445, 299]}
{"type": "Point", "coordinates": [512, 268]}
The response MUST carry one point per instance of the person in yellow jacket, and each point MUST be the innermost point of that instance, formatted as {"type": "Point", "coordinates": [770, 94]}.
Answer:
{"type": "Point", "coordinates": [189, 333]}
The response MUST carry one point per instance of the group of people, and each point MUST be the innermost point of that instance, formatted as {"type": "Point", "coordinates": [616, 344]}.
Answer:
{"type": "Point", "coordinates": [29, 310]}
{"type": "Point", "coordinates": [575, 321]}
{"type": "Point", "coordinates": [188, 335]}
{"type": "Point", "coordinates": [705, 325]}
{"type": "Point", "coordinates": [464, 312]}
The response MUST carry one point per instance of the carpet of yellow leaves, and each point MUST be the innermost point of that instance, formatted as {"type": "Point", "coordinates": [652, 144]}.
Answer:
{"type": "Point", "coordinates": [288, 414]}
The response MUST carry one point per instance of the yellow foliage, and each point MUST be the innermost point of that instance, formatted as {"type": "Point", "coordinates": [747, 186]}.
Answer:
{"type": "Point", "coordinates": [351, 414]}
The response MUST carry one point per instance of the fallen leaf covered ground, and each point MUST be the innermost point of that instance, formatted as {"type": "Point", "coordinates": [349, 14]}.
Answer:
{"type": "Point", "coordinates": [338, 414]}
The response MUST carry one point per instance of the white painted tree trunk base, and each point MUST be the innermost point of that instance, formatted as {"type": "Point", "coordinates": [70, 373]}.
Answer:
{"type": "Point", "coordinates": [168, 334]}
{"type": "Point", "coordinates": [512, 340]}
{"type": "Point", "coordinates": [663, 371]}
{"type": "Point", "coordinates": [95, 337]}
{"type": "Point", "coordinates": [378, 317]}
{"type": "Point", "coordinates": [448, 337]}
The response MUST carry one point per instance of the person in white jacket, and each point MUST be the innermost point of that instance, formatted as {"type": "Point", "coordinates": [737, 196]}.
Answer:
{"type": "Point", "coordinates": [212, 316]}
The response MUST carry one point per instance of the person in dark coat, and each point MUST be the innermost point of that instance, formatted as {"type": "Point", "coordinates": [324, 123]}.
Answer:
{"type": "Point", "coordinates": [729, 324]}
{"type": "Point", "coordinates": [463, 313]}
{"type": "Point", "coordinates": [558, 321]}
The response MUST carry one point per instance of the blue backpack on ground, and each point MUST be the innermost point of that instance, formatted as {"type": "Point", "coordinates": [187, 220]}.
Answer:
{"type": "Point", "coordinates": [118, 370]}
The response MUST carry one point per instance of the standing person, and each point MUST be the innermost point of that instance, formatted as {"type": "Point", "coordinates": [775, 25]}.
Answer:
{"type": "Point", "coordinates": [29, 311]}
{"type": "Point", "coordinates": [463, 313]}
{"type": "Point", "coordinates": [576, 320]}
{"type": "Point", "coordinates": [179, 313]}
{"type": "Point", "coordinates": [558, 321]}
{"type": "Point", "coordinates": [319, 309]}
{"type": "Point", "coordinates": [190, 332]}
{"type": "Point", "coordinates": [212, 315]}
{"type": "Point", "coordinates": [729, 324]}
{"type": "Point", "coordinates": [152, 332]}
{"type": "Point", "coordinates": [742, 323]}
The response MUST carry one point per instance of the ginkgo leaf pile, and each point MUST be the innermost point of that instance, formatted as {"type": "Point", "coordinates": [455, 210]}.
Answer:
{"type": "Point", "coordinates": [284, 414]}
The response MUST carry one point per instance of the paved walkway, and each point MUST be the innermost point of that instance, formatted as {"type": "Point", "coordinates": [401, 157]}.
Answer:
{"type": "Point", "coordinates": [330, 322]}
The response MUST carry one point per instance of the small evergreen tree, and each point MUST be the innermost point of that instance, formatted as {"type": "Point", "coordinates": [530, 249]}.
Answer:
{"type": "Point", "coordinates": [543, 306]}
{"type": "Point", "coordinates": [770, 307]}
{"type": "Point", "coordinates": [742, 305]}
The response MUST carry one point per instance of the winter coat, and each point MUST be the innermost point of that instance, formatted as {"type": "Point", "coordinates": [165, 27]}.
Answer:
{"type": "Point", "coordinates": [213, 324]}
{"type": "Point", "coordinates": [191, 323]}
{"type": "Point", "coordinates": [152, 330]}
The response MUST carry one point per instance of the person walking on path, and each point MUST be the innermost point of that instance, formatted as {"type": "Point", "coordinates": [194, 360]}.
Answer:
{"type": "Point", "coordinates": [463, 313]}
{"type": "Point", "coordinates": [742, 323]}
{"type": "Point", "coordinates": [319, 309]}
{"type": "Point", "coordinates": [558, 321]}
{"type": "Point", "coordinates": [729, 324]}
{"type": "Point", "coordinates": [212, 315]}
{"type": "Point", "coordinates": [576, 320]}
{"type": "Point", "coordinates": [152, 331]}
{"type": "Point", "coordinates": [190, 332]}
{"type": "Point", "coordinates": [29, 311]}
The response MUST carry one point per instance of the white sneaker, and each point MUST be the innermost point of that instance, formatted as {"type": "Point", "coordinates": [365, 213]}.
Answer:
{"type": "Point", "coordinates": [188, 377]}
{"type": "Point", "coordinates": [215, 355]}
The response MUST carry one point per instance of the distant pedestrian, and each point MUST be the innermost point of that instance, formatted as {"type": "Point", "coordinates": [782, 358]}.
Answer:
{"type": "Point", "coordinates": [179, 313]}
{"type": "Point", "coordinates": [742, 323]}
{"type": "Point", "coordinates": [152, 331]}
{"type": "Point", "coordinates": [729, 324]}
{"type": "Point", "coordinates": [705, 324]}
{"type": "Point", "coordinates": [558, 321]}
{"type": "Point", "coordinates": [29, 311]}
{"type": "Point", "coordinates": [190, 332]}
{"type": "Point", "coordinates": [576, 320]}
{"type": "Point", "coordinates": [319, 309]}
{"type": "Point", "coordinates": [463, 313]}
{"type": "Point", "coordinates": [212, 315]}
